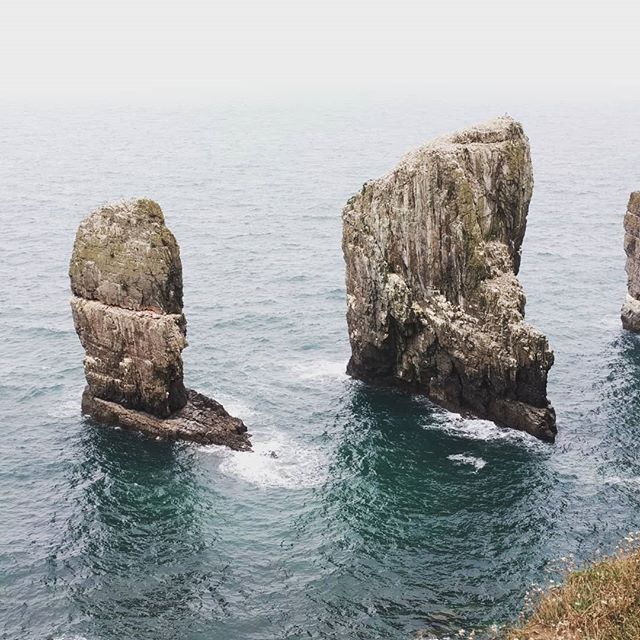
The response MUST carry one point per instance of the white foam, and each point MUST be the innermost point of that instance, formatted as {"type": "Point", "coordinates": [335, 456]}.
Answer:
{"type": "Point", "coordinates": [476, 429]}
{"type": "Point", "coordinates": [477, 463]}
{"type": "Point", "coordinates": [236, 407]}
{"type": "Point", "coordinates": [314, 370]}
{"type": "Point", "coordinates": [275, 462]}
{"type": "Point", "coordinates": [611, 321]}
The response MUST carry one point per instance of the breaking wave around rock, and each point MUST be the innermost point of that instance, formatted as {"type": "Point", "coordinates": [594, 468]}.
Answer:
{"type": "Point", "coordinates": [473, 429]}
{"type": "Point", "coordinates": [277, 461]}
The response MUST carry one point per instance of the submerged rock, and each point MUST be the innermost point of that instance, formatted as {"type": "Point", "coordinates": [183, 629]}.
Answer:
{"type": "Point", "coordinates": [126, 279]}
{"type": "Point", "coordinates": [631, 307]}
{"type": "Point", "coordinates": [432, 251]}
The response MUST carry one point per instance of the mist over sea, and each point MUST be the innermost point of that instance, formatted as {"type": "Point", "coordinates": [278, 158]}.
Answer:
{"type": "Point", "coordinates": [382, 514]}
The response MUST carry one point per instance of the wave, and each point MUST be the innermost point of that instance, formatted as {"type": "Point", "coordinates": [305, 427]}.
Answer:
{"type": "Point", "coordinates": [236, 407]}
{"type": "Point", "coordinates": [477, 429]}
{"type": "Point", "coordinates": [276, 461]}
{"type": "Point", "coordinates": [67, 408]}
{"type": "Point", "coordinates": [326, 369]}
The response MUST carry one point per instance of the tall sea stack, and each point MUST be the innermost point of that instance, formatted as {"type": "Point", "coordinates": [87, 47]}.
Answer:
{"type": "Point", "coordinates": [432, 251]}
{"type": "Point", "coordinates": [126, 279]}
{"type": "Point", "coordinates": [631, 307]}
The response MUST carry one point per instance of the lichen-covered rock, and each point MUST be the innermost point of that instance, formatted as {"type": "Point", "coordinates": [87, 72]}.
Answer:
{"type": "Point", "coordinates": [126, 277]}
{"type": "Point", "coordinates": [631, 307]}
{"type": "Point", "coordinates": [432, 251]}
{"type": "Point", "coordinates": [125, 256]}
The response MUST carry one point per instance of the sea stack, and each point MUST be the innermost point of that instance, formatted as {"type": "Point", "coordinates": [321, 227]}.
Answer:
{"type": "Point", "coordinates": [434, 305]}
{"type": "Point", "coordinates": [631, 307]}
{"type": "Point", "coordinates": [126, 279]}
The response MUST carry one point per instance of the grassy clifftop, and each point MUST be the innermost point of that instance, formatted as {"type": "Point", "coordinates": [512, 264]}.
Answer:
{"type": "Point", "coordinates": [600, 602]}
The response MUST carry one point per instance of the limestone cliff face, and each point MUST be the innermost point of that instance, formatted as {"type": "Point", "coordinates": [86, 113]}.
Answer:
{"type": "Point", "coordinates": [126, 277]}
{"type": "Point", "coordinates": [631, 307]}
{"type": "Point", "coordinates": [432, 251]}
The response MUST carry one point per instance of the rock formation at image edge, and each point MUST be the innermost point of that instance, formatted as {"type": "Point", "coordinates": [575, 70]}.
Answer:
{"type": "Point", "coordinates": [432, 250]}
{"type": "Point", "coordinates": [126, 279]}
{"type": "Point", "coordinates": [631, 307]}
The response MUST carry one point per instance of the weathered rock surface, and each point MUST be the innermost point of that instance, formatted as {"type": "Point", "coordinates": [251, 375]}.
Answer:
{"type": "Point", "coordinates": [132, 357]}
{"type": "Point", "coordinates": [432, 251]}
{"type": "Point", "coordinates": [201, 420]}
{"type": "Point", "coordinates": [126, 277]}
{"type": "Point", "coordinates": [631, 307]}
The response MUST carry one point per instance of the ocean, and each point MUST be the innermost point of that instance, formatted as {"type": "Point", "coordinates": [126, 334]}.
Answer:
{"type": "Point", "coordinates": [382, 514]}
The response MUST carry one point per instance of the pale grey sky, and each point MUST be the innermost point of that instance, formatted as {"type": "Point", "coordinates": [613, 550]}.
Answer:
{"type": "Point", "coordinates": [125, 49]}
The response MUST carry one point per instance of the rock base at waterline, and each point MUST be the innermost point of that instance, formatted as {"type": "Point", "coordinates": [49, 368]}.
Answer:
{"type": "Point", "coordinates": [201, 420]}
{"type": "Point", "coordinates": [630, 315]}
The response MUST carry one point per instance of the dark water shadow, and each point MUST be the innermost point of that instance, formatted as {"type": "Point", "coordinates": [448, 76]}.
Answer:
{"type": "Point", "coordinates": [438, 520]}
{"type": "Point", "coordinates": [397, 440]}
{"type": "Point", "coordinates": [617, 417]}
{"type": "Point", "coordinates": [620, 380]}
{"type": "Point", "coordinates": [134, 555]}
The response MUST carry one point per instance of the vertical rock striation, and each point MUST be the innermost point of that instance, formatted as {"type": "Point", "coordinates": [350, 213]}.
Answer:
{"type": "Point", "coordinates": [631, 307]}
{"type": "Point", "coordinates": [432, 251]}
{"type": "Point", "coordinates": [126, 279]}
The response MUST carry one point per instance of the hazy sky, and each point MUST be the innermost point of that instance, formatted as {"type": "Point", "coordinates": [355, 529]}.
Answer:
{"type": "Point", "coordinates": [191, 48]}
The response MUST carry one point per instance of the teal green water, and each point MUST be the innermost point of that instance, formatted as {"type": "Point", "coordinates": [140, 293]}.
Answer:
{"type": "Point", "coordinates": [382, 514]}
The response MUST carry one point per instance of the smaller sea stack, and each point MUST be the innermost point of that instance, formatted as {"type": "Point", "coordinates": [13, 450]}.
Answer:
{"type": "Point", "coordinates": [126, 279]}
{"type": "Point", "coordinates": [631, 307]}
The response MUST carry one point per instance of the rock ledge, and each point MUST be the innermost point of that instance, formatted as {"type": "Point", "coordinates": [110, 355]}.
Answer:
{"type": "Point", "coordinates": [201, 420]}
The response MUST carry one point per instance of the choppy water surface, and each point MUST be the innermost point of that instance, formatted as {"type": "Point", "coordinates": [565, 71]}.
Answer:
{"type": "Point", "coordinates": [381, 514]}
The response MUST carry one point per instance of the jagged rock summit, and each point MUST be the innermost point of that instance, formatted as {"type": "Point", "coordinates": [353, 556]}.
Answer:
{"type": "Point", "coordinates": [432, 251]}
{"type": "Point", "coordinates": [631, 307]}
{"type": "Point", "coordinates": [126, 279]}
